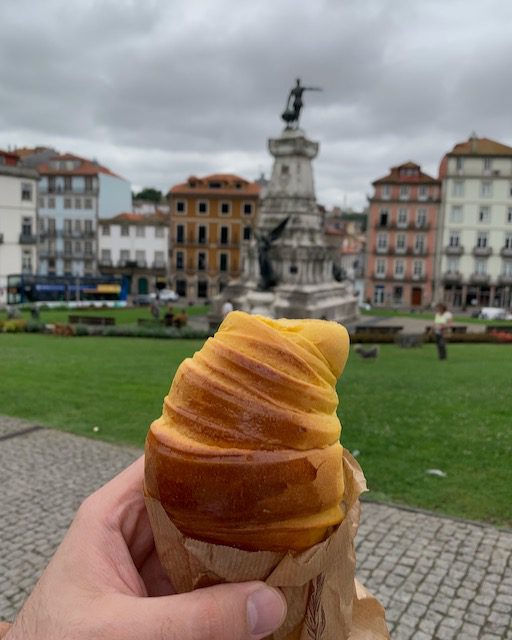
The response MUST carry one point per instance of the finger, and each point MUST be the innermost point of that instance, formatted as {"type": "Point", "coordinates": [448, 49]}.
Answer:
{"type": "Point", "coordinates": [245, 611]}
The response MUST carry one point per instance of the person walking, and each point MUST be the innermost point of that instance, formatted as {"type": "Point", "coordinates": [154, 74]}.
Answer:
{"type": "Point", "coordinates": [442, 323]}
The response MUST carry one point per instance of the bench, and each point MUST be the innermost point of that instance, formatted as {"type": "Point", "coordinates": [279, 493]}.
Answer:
{"type": "Point", "coordinates": [390, 329]}
{"type": "Point", "coordinates": [92, 320]}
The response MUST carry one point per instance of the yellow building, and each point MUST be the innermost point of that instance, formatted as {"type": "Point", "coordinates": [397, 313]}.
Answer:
{"type": "Point", "coordinates": [211, 218]}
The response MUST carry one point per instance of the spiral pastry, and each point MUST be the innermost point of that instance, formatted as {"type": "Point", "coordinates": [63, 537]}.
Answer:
{"type": "Point", "coordinates": [247, 451]}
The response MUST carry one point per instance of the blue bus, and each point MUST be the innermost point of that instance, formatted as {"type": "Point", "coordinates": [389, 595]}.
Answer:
{"type": "Point", "coordinates": [71, 291]}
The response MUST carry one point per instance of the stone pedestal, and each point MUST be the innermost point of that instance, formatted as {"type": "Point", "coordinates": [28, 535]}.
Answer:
{"type": "Point", "coordinates": [301, 259]}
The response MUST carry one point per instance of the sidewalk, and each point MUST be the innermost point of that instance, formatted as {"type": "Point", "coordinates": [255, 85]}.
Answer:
{"type": "Point", "coordinates": [438, 578]}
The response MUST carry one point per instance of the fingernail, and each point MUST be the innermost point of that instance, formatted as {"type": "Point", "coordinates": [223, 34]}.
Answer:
{"type": "Point", "coordinates": [266, 611]}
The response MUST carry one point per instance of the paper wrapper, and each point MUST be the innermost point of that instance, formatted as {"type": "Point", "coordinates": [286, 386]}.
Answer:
{"type": "Point", "coordinates": [324, 599]}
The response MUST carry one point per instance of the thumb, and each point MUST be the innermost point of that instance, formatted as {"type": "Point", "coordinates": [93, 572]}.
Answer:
{"type": "Point", "coordinates": [242, 611]}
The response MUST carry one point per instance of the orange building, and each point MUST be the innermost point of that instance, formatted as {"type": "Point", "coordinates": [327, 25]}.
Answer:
{"type": "Point", "coordinates": [211, 218]}
{"type": "Point", "coordinates": [402, 222]}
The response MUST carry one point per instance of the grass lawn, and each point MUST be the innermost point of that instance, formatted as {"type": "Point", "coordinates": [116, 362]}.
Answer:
{"type": "Point", "coordinates": [406, 412]}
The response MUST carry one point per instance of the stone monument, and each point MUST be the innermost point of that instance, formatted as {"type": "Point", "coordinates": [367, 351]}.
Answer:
{"type": "Point", "coordinates": [288, 266]}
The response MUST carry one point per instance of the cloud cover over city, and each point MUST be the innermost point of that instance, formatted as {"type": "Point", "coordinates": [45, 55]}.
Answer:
{"type": "Point", "coordinates": [158, 91]}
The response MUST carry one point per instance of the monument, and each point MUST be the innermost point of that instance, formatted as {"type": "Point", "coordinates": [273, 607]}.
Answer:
{"type": "Point", "coordinates": [288, 267]}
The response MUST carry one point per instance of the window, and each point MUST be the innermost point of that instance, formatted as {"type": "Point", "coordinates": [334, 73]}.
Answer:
{"type": "Point", "coordinates": [180, 233]}
{"type": "Point", "coordinates": [403, 215]}
{"type": "Point", "coordinates": [382, 242]}
{"type": "Point", "coordinates": [456, 214]}
{"type": "Point", "coordinates": [181, 206]}
{"type": "Point", "coordinates": [486, 189]}
{"type": "Point", "coordinates": [88, 226]}
{"type": "Point", "coordinates": [453, 265]}
{"type": "Point", "coordinates": [51, 225]}
{"type": "Point", "coordinates": [105, 229]}
{"type": "Point", "coordinates": [225, 208]}
{"type": "Point", "coordinates": [51, 203]}
{"type": "Point", "coordinates": [484, 215]}
{"type": "Point", "coordinates": [202, 289]}
{"type": "Point", "coordinates": [202, 206]}
{"type": "Point", "coordinates": [380, 267]}
{"type": "Point", "coordinates": [88, 203]}
{"type": "Point", "coordinates": [487, 165]}
{"type": "Point", "coordinates": [181, 288]}
{"type": "Point", "coordinates": [509, 215]}
{"type": "Point", "coordinates": [378, 294]}
{"type": "Point", "coordinates": [508, 241]}
{"type": "Point", "coordinates": [159, 259]}
{"type": "Point", "coordinates": [224, 235]}
{"type": "Point", "coordinates": [399, 268]}
{"type": "Point", "coordinates": [67, 183]}
{"type": "Point", "coordinates": [78, 248]}
{"type": "Point", "coordinates": [421, 218]}
{"type": "Point", "coordinates": [88, 248]}
{"type": "Point", "coordinates": [125, 230]}
{"type": "Point", "coordinates": [386, 191]}
{"type": "Point", "coordinates": [26, 226]}
{"type": "Point", "coordinates": [481, 239]}
{"type": "Point", "coordinates": [507, 268]}
{"type": "Point", "coordinates": [459, 165]}
{"type": "Point", "coordinates": [78, 203]}
{"type": "Point", "coordinates": [398, 293]}
{"type": "Point", "coordinates": [68, 247]}
{"type": "Point", "coordinates": [140, 257]}
{"type": "Point", "coordinates": [180, 261]}
{"type": "Point", "coordinates": [88, 267]}
{"type": "Point", "coordinates": [481, 267]}
{"type": "Point", "coordinates": [68, 268]}
{"type": "Point", "coordinates": [106, 256]}
{"type": "Point", "coordinates": [124, 256]}
{"type": "Point", "coordinates": [454, 239]}
{"type": "Point", "coordinates": [248, 208]}
{"type": "Point", "coordinates": [422, 192]}
{"type": "Point", "coordinates": [417, 268]}
{"type": "Point", "coordinates": [223, 262]}
{"type": "Point", "coordinates": [247, 233]}
{"type": "Point", "coordinates": [383, 218]}
{"type": "Point", "coordinates": [78, 226]}
{"type": "Point", "coordinates": [201, 234]}
{"type": "Point", "coordinates": [88, 183]}
{"type": "Point", "coordinates": [419, 243]}
{"type": "Point", "coordinates": [159, 232]}
{"type": "Point", "coordinates": [140, 231]}
{"type": "Point", "coordinates": [201, 261]}
{"type": "Point", "coordinates": [400, 243]}
{"type": "Point", "coordinates": [67, 203]}
{"type": "Point", "coordinates": [42, 225]}
{"type": "Point", "coordinates": [404, 192]}
{"type": "Point", "coordinates": [26, 191]}
{"type": "Point", "coordinates": [41, 202]}
{"type": "Point", "coordinates": [458, 188]}
{"type": "Point", "coordinates": [26, 261]}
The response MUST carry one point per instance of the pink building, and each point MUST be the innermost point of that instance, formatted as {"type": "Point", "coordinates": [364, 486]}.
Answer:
{"type": "Point", "coordinates": [402, 219]}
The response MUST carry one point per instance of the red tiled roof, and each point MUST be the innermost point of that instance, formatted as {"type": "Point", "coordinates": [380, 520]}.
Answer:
{"type": "Point", "coordinates": [10, 158]}
{"type": "Point", "coordinates": [395, 177]}
{"type": "Point", "coordinates": [138, 218]}
{"type": "Point", "coordinates": [480, 147]}
{"type": "Point", "coordinates": [86, 168]}
{"type": "Point", "coordinates": [228, 181]}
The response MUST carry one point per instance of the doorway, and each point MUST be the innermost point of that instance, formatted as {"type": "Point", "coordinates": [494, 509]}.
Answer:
{"type": "Point", "coordinates": [416, 296]}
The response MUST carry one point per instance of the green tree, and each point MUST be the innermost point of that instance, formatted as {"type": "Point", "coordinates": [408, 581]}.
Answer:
{"type": "Point", "coordinates": [149, 193]}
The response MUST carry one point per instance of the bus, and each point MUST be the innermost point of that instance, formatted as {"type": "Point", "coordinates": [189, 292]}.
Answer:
{"type": "Point", "coordinates": [70, 291]}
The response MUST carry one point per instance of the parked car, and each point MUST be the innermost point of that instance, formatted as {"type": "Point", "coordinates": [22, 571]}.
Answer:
{"type": "Point", "coordinates": [168, 295]}
{"type": "Point", "coordinates": [494, 313]}
{"type": "Point", "coordinates": [143, 299]}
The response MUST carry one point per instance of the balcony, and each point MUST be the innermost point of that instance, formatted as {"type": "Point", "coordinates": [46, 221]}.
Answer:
{"type": "Point", "coordinates": [482, 252]}
{"type": "Point", "coordinates": [452, 277]}
{"type": "Point", "coordinates": [506, 252]}
{"type": "Point", "coordinates": [420, 251]}
{"type": "Point", "coordinates": [27, 238]}
{"type": "Point", "coordinates": [419, 277]}
{"type": "Point", "coordinates": [457, 250]}
{"type": "Point", "coordinates": [105, 262]}
{"type": "Point", "coordinates": [158, 264]}
{"type": "Point", "coordinates": [479, 278]}
{"type": "Point", "coordinates": [505, 279]}
{"type": "Point", "coordinates": [382, 249]}
{"type": "Point", "coordinates": [421, 226]}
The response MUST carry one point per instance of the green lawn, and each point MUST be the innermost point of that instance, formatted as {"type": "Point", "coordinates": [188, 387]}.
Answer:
{"type": "Point", "coordinates": [406, 412]}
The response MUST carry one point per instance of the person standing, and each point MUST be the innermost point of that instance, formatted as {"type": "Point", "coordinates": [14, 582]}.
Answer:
{"type": "Point", "coordinates": [442, 323]}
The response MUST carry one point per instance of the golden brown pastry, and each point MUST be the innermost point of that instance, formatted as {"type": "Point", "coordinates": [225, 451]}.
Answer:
{"type": "Point", "coordinates": [247, 451]}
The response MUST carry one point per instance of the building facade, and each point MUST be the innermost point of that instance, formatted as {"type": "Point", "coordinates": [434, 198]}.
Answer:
{"type": "Point", "coordinates": [18, 219]}
{"type": "Point", "coordinates": [474, 262]}
{"type": "Point", "coordinates": [211, 218]}
{"type": "Point", "coordinates": [402, 220]}
{"type": "Point", "coordinates": [74, 193]}
{"type": "Point", "coordinates": [135, 246]}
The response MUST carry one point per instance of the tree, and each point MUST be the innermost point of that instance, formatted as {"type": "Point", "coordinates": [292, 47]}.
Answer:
{"type": "Point", "coordinates": [149, 193]}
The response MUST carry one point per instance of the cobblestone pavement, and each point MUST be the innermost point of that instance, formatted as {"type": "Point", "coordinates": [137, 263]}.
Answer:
{"type": "Point", "coordinates": [437, 577]}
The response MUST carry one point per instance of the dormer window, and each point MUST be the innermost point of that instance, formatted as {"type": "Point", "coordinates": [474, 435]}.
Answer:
{"type": "Point", "coordinates": [215, 185]}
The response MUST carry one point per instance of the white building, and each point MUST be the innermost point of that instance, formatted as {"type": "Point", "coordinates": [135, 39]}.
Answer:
{"type": "Point", "coordinates": [474, 257]}
{"type": "Point", "coordinates": [18, 196]}
{"type": "Point", "coordinates": [136, 246]}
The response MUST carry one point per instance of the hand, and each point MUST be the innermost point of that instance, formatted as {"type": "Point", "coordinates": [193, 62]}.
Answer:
{"type": "Point", "coordinates": [105, 582]}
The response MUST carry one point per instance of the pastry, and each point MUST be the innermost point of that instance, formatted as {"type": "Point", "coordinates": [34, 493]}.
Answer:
{"type": "Point", "coordinates": [247, 451]}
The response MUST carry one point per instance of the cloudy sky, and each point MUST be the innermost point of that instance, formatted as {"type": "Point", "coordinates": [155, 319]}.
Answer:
{"type": "Point", "coordinates": [160, 90]}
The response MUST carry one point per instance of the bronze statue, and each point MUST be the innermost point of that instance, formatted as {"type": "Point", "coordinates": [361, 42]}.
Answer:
{"type": "Point", "coordinates": [294, 104]}
{"type": "Point", "coordinates": [268, 279]}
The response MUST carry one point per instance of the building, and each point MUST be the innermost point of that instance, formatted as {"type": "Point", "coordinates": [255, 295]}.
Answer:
{"type": "Point", "coordinates": [474, 263]}
{"type": "Point", "coordinates": [211, 219]}
{"type": "Point", "coordinates": [402, 219]}
{"type": "Point", "coordinates": [136, 246]}
{"type": "Point", "coordinates": [74, 193]}
{"type": "Point", "coordinates": [18, 214]}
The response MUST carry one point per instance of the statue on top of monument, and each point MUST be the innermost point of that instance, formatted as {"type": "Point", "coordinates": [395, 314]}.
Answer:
{"type": "Point", "coordinates": [294, 104]}
{"type": "Point", "coordinates": [264, 242]}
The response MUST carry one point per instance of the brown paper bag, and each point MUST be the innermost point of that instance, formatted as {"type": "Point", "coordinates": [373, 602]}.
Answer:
{"type": "Point", "coordinates": [324, 599]}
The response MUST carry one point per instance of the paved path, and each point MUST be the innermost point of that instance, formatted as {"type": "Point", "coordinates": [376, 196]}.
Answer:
{"type": "Point", "coordinates": [438, 578]}
{"type": "Point", "coordinates": [413, 325]}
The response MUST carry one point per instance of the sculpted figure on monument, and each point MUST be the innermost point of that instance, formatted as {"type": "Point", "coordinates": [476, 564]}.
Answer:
{"type": "Point", "coordinates": [265, 241]}
{"type": "Point", "coordinates": [294, 105]}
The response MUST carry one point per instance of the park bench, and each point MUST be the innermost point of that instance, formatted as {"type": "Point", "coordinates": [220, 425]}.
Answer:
{"type": "Point", "coordinates": [389, 329]}
{"type": "Point", "coordinates": [91, 320]}
{"type": "Point", "coordinates": [505, 328]}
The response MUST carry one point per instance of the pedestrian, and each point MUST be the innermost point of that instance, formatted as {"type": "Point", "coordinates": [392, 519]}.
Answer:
{"type": "Point", "coordinates": [442, 323]}
{"type": "Point", "coordinates": [105, 581]}
{"type": "Point", "coordinates": [227, 307]}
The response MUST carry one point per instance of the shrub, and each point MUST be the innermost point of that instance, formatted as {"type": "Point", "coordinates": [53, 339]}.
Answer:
{"type": "Point", "coordinates": [34, 326]}
{"type": "Point", "coordinates": [15, 326]}
{"type": "Point", "coordinates": [371, 337]}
